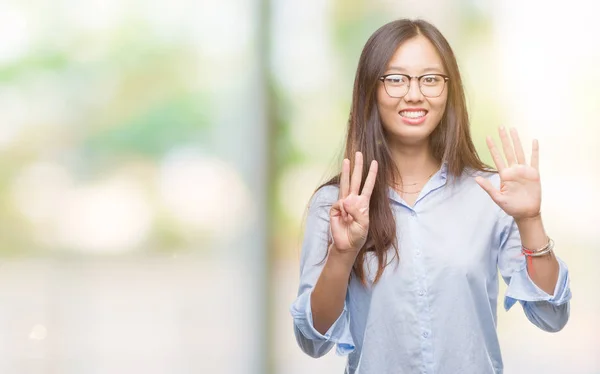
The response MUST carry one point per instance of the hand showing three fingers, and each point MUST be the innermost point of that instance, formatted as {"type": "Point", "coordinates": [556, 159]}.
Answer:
{"type": "Point", "coordinates": [349, 216]}
{"type": "Point", "coordinates": [520, 193]}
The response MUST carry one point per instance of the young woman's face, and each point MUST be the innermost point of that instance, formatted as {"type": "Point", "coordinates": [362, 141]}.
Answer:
{"type": "Point", "coordinates": [410, 119]}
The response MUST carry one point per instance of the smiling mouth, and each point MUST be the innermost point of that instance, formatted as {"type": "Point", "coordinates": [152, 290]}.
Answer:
{"type": "Point", "coordinates": [414, 114]}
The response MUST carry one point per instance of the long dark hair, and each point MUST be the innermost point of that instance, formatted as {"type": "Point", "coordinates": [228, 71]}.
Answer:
{"type": "Point", "coordinates": [450, 141]}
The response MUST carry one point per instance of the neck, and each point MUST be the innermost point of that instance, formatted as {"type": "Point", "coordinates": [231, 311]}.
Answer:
{"type": "Point", "coordinates": [415, 163]}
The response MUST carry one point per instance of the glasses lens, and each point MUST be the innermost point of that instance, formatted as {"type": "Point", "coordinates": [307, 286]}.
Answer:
{"type": "Point", "coordinates": [432, 85]}
{"type": "Point", "coordinates": [396, 85]}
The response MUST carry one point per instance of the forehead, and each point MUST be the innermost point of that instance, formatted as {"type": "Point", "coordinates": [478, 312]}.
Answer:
{"type": "Point", "coordinates": [416, 55]}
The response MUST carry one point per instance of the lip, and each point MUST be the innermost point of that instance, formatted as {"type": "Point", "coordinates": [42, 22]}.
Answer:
{"type": "Point", "coordinates": [414, 121]}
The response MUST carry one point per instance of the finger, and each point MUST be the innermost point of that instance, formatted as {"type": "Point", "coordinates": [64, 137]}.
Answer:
{"type": "Point", "coordinates": [489, 188]}
{"type": "Point", "coordinates": [336, 209]}
{"type": "Point", "coordinates": [370, 181]}
{"type": "Point", "coordinates": [509, 153]}
{"type": "Point", "coordinates": [345, 179]}
{"type": "Point", "coordinates": [514, 134]}
{"type": "Point", "coordinates": [356, 174]}
{"type": "Point", "coordinates": [339, 212]}
{"type": "Point", "coordinates": [347, 217]}
{"type": "Point", "coordinates": [535, 155]}
{"type": "Point", "coordinates": [359, 214]}
{"type": "Point", "coordinates": [343, 212]}
{"type": "Point", "coordinates": [498, 160]}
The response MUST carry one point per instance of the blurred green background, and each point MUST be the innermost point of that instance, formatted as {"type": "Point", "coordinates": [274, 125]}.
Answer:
{"type": "Point", "coordinates": [156, 159]}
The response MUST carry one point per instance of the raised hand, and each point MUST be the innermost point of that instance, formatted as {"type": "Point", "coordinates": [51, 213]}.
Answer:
{"type": "Point", "coordinates": [349, 216]}
{"type": "Point", "coordinates": [520, 193]}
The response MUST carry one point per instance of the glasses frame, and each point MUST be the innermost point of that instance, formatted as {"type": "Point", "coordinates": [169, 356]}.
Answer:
{"type": "Point", "coordinates": [410, 79]}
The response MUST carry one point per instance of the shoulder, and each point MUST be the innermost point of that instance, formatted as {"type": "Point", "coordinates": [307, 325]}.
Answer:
{"type": "Point", "coordinates": [325, 196]}
{"type": "Point", "coordinates": [321, 202]}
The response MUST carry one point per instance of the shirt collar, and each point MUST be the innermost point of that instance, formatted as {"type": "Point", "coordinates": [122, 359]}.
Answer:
{"type": "Point", "coordinates": [438, 180]}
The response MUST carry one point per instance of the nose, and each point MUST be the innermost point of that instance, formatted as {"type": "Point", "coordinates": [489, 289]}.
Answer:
{"type": "Point", "coordinates": [414, 93]}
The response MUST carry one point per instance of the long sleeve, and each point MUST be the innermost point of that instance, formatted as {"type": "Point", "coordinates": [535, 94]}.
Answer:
{"type": "Point", "coordinates": [314, 250]}
{"type": "Point", "coordinates": [548, 312]}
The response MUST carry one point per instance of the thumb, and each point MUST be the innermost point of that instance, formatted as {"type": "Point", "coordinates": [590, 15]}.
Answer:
{"type": "Point", "coordinates": [336, 210]}
{"type": "Point", "coordinates": [358, 213]}
{"type": "Point", "coordinates": [488, 187]}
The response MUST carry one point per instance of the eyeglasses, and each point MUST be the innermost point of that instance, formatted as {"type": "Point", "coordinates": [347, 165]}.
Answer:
{"type": "Point", "coordinates": [397, 85]}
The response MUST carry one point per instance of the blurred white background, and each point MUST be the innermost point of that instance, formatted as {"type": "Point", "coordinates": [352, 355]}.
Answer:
{"type": "Point", "coordinates": [156, 159]}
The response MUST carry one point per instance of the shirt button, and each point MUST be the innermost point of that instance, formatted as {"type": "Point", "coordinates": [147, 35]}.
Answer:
{"type": "Point", "coordinates": [421, 292]}
{"type": "Point", "coordinates": [418, 252]}
{"type": "Point", "coordinates": [425, 334]}
{"type": "Point", "coordinates": [413, 213]}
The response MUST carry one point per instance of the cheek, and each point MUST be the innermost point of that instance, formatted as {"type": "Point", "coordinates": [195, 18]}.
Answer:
{"type": "Point", "coordinates": [386, 104]}
{"type": "Point", "coordinates": [439, 106]}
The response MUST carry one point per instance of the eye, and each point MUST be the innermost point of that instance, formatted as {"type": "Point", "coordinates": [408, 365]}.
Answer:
{"type": "Point", "coordinates": [431, 80]}
{"type": "Point", "coordinates": [396, 80]}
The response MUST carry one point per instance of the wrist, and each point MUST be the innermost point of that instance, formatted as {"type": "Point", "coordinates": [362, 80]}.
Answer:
{"type": "Point", "coordinates": [532, 232]}
{"type": "Point", "coordinates": [529, 221]}
{"type": "Point", "coordinates": [342, 259]}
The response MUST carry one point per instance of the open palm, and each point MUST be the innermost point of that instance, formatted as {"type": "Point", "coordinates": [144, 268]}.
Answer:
{"type": "Point", "coordinates": [520, 192]}
{"type": "Point", "coordinates": [349, 216]}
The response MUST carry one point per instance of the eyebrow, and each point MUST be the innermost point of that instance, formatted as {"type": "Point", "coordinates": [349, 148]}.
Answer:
{"type": "Point", "coordinates": [430, 69]}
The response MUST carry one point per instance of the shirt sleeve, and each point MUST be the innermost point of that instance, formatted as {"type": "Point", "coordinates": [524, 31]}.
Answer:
{"type": "Point", "coordinates": [312, 261]}
{"type": "Point", "coordinates": [548, 312]}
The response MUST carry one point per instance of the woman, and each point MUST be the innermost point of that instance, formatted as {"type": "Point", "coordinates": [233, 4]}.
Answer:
{"type": "Point", "coordinates": [400, 258]}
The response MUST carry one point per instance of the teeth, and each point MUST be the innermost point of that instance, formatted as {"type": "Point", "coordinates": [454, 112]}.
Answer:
{"type": "Point", "coordinates": [410, 114]}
